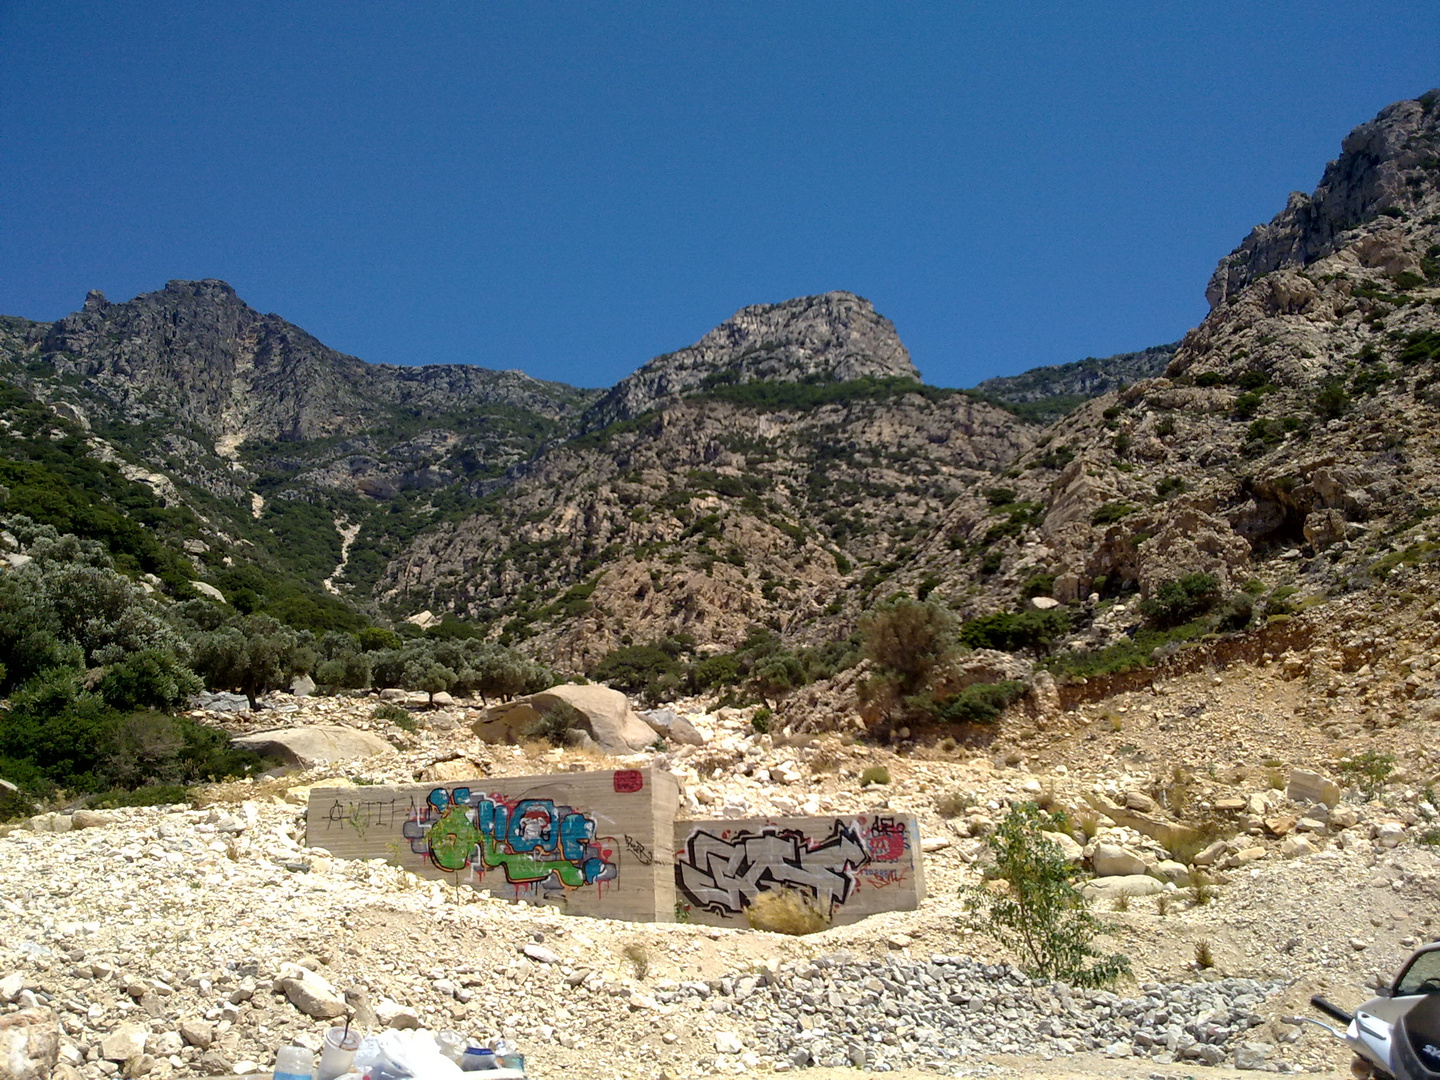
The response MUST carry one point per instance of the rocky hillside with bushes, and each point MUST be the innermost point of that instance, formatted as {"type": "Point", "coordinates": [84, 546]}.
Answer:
{"type": "Point", "coordinates": [756, 512]}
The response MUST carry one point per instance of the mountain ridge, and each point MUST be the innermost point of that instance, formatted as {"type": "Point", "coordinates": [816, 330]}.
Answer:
{"type": "Point", "coordinates": [799, 431]}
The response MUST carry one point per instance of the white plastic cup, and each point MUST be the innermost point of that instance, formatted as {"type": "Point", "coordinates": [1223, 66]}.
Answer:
{"type": "Point", "coordinates": [338, 1053]}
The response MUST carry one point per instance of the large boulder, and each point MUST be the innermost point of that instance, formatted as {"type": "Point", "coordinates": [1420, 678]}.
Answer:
{"type": "Point", "coordinates": [319, 745]}
{"type": "Point", "coordinates": [1305, 787]}
{"type": "Point", "coordinates": [670, 725]}
{"type": "Point", "coordinates": [1113, 860]}
{"type": "Point", "coordinates": [606, 718]}
{"type": "Point", "coordinates": [29, 1045]}
{"type": "Point", "coordinates": [1100, 890]}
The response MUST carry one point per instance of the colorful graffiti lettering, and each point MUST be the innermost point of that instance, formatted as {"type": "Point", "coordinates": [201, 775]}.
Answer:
{"type": "Point", "coordinates": [534, 841]}
{"type": "Point", "coordinates": [724, 873]}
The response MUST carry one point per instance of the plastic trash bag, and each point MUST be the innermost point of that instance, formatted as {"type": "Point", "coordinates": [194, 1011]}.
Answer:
{"type": "Point", "coordinates": [401, 1055]}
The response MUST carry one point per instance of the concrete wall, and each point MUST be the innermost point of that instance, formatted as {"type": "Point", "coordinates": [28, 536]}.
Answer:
{"type": "Point", "coordinates": [596, 843]}
{"type": "Point", "coordinates": [851, 866]}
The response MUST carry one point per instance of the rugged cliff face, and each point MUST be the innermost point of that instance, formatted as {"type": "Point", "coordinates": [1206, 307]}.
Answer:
{"type": "Point", "coordinates": [1292, 443]}
{"type": "Point", "coordinates": [709, 516]}
{"type": "Point", "coordinates": [1381, 170]}
{"type": "Point", "coordinates": [198, 353]}
{"type": "Point", "coordinates": [1047, 393]}
{"type": "Point", "coordinates": [836, 337]}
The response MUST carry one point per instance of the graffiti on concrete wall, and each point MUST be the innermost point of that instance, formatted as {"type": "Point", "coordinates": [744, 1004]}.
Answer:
{"type": "Point", "coordinates": [538, 846]}
{"type": "Point", "coordinates": [723, 870]}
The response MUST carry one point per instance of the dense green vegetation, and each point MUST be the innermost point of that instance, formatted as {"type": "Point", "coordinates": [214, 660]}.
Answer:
{"type": "Point", "coordinates": [92, 665]}
{"type": "Point", "coordinates": [48, 474]}
{"type": "Point", "coordinates": [89, 662]}
{"type": "Point", "coordinates": [761, 668]}
{"type": "Point", "coordinates": [915, 647]}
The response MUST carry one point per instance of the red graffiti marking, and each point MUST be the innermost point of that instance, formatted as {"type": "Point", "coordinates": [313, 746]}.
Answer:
{"type": "Point", "coordinates": [886, 840]}
{"type": "Point", "coordinates": [629, 781]}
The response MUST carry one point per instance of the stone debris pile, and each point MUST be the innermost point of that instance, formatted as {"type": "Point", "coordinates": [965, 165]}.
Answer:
{"type": "Point", "coordinates": [941, 1014]}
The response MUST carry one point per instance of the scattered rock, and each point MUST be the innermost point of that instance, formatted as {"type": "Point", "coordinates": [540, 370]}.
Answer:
{"type": "Point", "coordinates": [1306, 787]}
{"type": "Point", "coordinates": [204, 588]}
{"type": "Point", "coordinates": [198, 1033]}
{"type": "Point", "coordinates": [392, 1014]}
{"type": "Point", "coordinates": [1112, 888]}
{"type": "Point", "coordinates": [310, 992]}
{"type": "Point", "coordinates": [90, 819]}
{"type": "Point", "coordinates": [124, 1043]}
{"type": "Point", "coordinates": [1293, 847]}
{"type": "Point", "coordinates": [540, 954]}
{"type": "Point", "coordinates": [673, 727]}
{"type": "Point", "coordinates": [727, 1042]}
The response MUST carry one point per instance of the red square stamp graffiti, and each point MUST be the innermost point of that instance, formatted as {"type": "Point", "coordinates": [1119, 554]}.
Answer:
{"type": "Point", "coordinates": [628, 781]}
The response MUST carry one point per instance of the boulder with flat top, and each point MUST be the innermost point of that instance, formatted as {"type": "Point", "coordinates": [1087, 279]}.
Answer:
{"type": "Point", "coordinates": [605, 718]}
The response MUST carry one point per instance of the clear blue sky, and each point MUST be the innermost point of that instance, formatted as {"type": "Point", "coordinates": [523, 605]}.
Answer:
{"type": "Point", "coordinates": [573, 188]}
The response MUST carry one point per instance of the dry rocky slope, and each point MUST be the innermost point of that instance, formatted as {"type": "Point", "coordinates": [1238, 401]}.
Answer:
{"type": "Point", "coordinates": [150, 937]}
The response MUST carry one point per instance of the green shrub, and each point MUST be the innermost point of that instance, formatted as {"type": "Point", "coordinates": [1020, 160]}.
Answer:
{"type": "Point", "coordinates": [1182, 600]}
{"type": "Point", "coordinates": [979, 703]}
{"type": "Point", "coordinates": [1370, 379]}
{"type": "Point", "coordinates": [1235, 614]}
{"type": "Point", "coordinates": [760, 720]}
{"type": "Point", "coordinates": [556, 723]}
{"type": "Point", "coordinates": [1332, 401]}
{"type": "Point", "coordinates": [1247, 404]}
{"type": "Point", "coordinates": [57, 734]}
{"type": "Point", "coordinates": [1171, 485]}
{"type": "Point", "coordinates": [1037, 585]}
{"type": "Point", "coordinates": [1421, 346]}
{"type": "Point", "coordinates": [1111, 512]}
{"type": "Point", "coordinates": [909, 639]}
{"type": "Point", "coordinates": [392, 713]}
{"type": "Point", "coordinates": [1013, 631]}
{"type": "Point", "coordinates": [152, 678]}
{"type": "Point", "coordinates": [1368, 771]}
{"type": "Point", "coordinates": [875, 774]}
{"type": "Point", "coordinates": [637, 669]}
{"type": "Point", "coordinates": [1041, 916]}
{"type": "Point", "coordinates": [1128, 654]}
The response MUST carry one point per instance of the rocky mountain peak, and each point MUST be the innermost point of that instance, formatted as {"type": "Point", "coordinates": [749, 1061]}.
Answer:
{"type": "Point", "coordinates": [1387, 168]}
{"type": "Point", "coordinates": [833, 337]}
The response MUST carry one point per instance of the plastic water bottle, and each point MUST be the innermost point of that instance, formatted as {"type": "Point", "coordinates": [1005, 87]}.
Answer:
{"type": "Point", "coordinates": [294, 1063]}
{"type": "Point", "coordinates": [507, 1055]}
{"type": "Point", "coordinates": [477, 1059]}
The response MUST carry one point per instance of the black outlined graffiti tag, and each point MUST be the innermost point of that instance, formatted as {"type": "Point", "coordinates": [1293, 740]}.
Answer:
{"type": "Point", "coordinates": [724, 875]}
